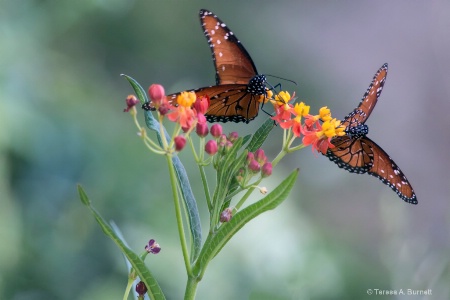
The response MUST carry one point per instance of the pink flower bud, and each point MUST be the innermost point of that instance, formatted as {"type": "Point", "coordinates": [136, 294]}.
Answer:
{"type": "Point", "coordinates": [131, 101]}
{"type": "Point", "coordinates": [216, 130]}
{"type": "Point", "coordinates": [202, 129]}
{"type": "Point", "coordinates": [266, 169]}
{"type": "Point", "coordinates": [222, 139]}
{"type": "Point", "coordinates": [254, 166]}
{"type": "Point", "coordinates": [233, 136]}
{"type": "Point", "coordinates": [260, 156]}
{"type": "Point", "coordinates": [156, 93]}
{"type": "Point", "coordinates": [211, 147]}
{"type": "Point", "coordinates": [250, 157]}
{"type": "Point", "coordinates": [180, 142]}
{"type": "Point", "coordinates": [201, 118]}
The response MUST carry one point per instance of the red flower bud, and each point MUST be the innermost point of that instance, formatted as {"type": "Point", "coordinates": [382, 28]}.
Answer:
{"type": "Point", "coordinates": [211, 147]}
{"type": "Point", "coordinates": [180, 142]}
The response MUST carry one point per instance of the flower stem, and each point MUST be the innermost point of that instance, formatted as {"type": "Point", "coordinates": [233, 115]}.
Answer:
{"type": "Point", "coordinates": [176, 201]}
{"type": "Point", "coordinates": [128, 288]}
{"type": "Point", "coordinates": [205, 187]}
{"type": "Point", "coordinates": [191, 288]}
{"type": "Point", "coordinates": [279, 157]}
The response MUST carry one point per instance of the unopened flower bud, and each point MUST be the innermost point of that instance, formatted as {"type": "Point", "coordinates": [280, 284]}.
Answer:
{"type": "Point", "coordinates": [254, 166]}
{"type": "Point", "coordinates": [202, 129]}
{"type": "Point", "coordinates": [260, 156]}
{"type": "Point", "coordinates": [141, 289]}
{"type": "Point", "coordinates": [226, 215]}
{"type": "Point", "coordinates": [156, 93]}
{"type": "Point", "coordinates": [216, 130]}
{"type": "Point", "coordinates": [233, 136]}
{"type": "Point", "coordinates": [266, 169]}
{"type": "Point", "coordinates": [180, 142]}
{"type": "Point", "coordinates": [211, 147]}
{"type": "Point", "coordinates": [131, 101]}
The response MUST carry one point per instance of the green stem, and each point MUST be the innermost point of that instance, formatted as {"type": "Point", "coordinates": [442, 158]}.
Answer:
{"type": "Point", "coordinates": [205, 187]}
{"type": "Point", "coordinates": [279, 157]}
{"type": "Point", "coordinates": [247, 194]}
{"type": "Point", "coordinates": [176, 201]}
{"type": "Point", "coordinates": [191, 288]}
{"type": "Point", "coordinates": [128, 288]}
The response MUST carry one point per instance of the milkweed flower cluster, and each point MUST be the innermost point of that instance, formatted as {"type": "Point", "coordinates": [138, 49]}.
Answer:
{"type": "Point", "coordinates": [316, 130]}
{"type": "Point", "coordinates": [186, 110]}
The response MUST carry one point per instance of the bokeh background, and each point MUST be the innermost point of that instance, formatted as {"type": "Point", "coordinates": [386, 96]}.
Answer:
{"type": "Point", "coordinates": [338, 234]}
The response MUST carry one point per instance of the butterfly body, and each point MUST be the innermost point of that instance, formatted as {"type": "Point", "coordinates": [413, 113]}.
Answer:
{"type": "Point", "coordinates": [358, 131]}
{"type": "Point", "coordinates": [357, 153]}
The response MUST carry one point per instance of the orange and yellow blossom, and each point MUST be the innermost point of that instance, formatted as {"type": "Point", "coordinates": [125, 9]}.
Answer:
{"type": "Point", "coordinates": [283, 109]}
{"type": "Point", "coordinates": [319, 136]}
{"type": "Point", "coordinates": [183, 113]}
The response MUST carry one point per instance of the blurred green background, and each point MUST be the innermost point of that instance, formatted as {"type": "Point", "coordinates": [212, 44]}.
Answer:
{"type": "Point", "coordinates": [338, 234]}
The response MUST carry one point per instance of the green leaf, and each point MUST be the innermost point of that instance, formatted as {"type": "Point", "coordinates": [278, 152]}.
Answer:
{"type": "Point", "coordinates": [186, 191]}
{"type": "Point", "coordinates": [154, 290]}
{"type": "Point", "coordinates": [260, 135]}
{"type": "Point", "coordinates": [140, 92]}
{"type": "Point", "coordinates": [215, 243]}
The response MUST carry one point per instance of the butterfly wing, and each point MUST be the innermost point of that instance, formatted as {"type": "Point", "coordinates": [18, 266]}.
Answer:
{"type": "Point", "coordinates": [228, 102]}
{"type": "Point", "coordinates": [353, 155]}
{"type": "Point", "coordinates": [360, 114]}
{"type": "Point", "coordinates": [237, 94]}
{"type": "Point", "coordinates": [385, 169]}
{"type": "Point", "coordinates": [232, 62]}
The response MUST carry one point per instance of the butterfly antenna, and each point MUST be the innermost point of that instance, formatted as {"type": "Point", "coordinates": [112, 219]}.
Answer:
{"type": "Point", "coordinates": [292, 81]}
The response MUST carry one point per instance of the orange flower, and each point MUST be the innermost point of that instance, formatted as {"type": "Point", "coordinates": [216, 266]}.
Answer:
{"type": "Point", "coordinates": [283, 109]}
{"type": "Point", "coordinates": [319, 136]}
{"type": "Point", "coordinates": [185, 116]}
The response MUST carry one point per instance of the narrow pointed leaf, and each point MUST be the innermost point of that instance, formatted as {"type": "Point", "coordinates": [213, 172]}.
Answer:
{"type": "Point", "coordinates": [215, 243]}
{"type": "Point", "coordinates": [260, 135]}
{"type": "Point", "coordinates": [140, 92]}
{"type": "Point", "coordinates": [186, 191]}
{"type": "Point", "coordinates": [154, 290]}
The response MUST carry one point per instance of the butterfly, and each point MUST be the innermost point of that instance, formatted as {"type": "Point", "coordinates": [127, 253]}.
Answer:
{"type": "Point", "coordinates": [356, 153]}
{"type": "Point", "coordinates": [239, 89]}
